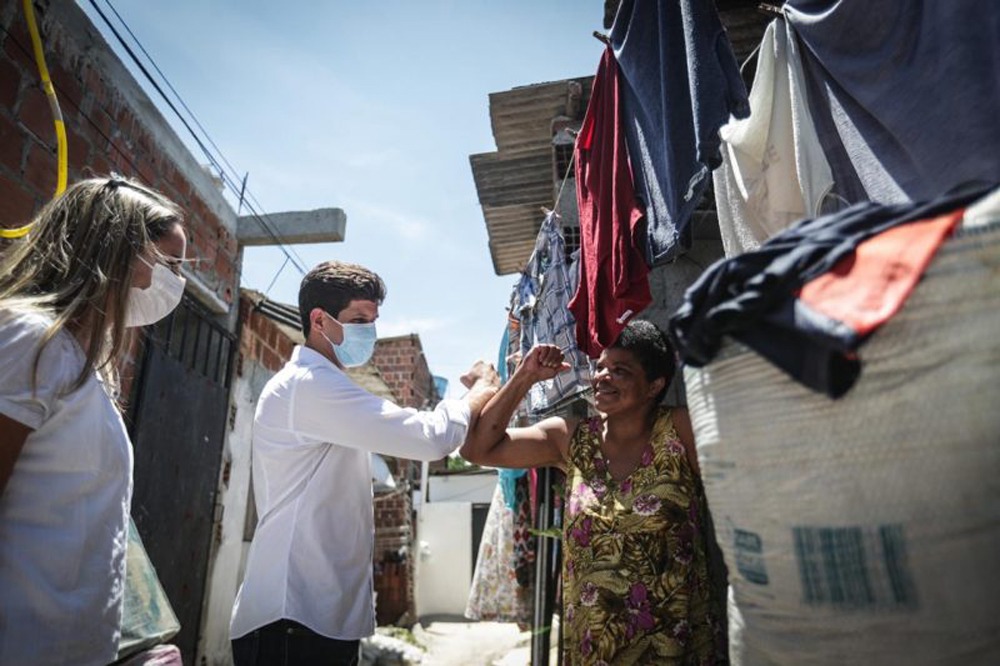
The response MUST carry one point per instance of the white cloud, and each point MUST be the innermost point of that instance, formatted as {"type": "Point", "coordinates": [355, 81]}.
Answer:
{"type": "Point", "coordinates": [388, 328]}
{"type": "Point", "coordinates": [404, 225]}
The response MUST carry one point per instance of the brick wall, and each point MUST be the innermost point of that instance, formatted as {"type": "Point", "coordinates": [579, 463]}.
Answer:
{"type": "Point", "coordinates": [404, 368]}
{"type": "Point", "coordinates": [402, 364]}
{"type": "Point", "coordinates": [261, 339]}
{"type": "Point", "coordinates": [393, 560]}
{"type": "Point", "coordinates": [110, 126]}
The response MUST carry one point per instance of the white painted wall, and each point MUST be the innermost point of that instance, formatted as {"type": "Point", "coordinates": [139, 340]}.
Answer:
{"type": "Point", "coordinates": [475, 488]}
{"type": "Point", "coordinates": [444, 535]}
{"type": "Point", "coordinates": [229, 557]}
{"type": "Point", "coordinates": [444, 559]}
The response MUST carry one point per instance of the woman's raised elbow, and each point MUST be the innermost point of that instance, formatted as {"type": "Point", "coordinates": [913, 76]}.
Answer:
{"type": "Point", "coordinates": [478, 445]}
{"type": "Point", "coordinates": [471, 452]}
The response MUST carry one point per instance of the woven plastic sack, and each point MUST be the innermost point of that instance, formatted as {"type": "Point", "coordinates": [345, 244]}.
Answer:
{"type": "Point", "coordinates": [866, 530]}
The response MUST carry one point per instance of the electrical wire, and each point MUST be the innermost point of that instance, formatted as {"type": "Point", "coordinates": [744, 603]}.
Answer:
{"type": "Point", "coordinates": [62, 158]}
{"type": "Point", "coordinates": [163, 76]}
{"type": "Point", "coordinates": [227, 180]}
{"type": "Point", "coordinates": [243, 194]}
{"type": "Point", "coordinates": [12, 39]}
{"type": "Point", "coordinates": [125, 157]}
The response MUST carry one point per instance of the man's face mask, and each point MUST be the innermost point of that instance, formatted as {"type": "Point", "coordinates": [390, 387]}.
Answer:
{"type": "Point", "coordinates": [358, 344]}
{"type": "Point", "coordinates": [150, 305]}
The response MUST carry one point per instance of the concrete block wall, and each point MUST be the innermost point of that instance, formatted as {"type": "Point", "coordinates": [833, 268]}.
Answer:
{"type": "Point", "coordinates": [668, 284]}
{"type": "Point", "coordinates": [111, 125]}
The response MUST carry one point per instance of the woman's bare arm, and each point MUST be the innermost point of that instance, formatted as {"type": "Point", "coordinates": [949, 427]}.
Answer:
{"type": "Point", "coordinates": [490, 442]}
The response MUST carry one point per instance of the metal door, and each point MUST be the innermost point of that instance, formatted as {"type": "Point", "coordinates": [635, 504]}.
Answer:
{"type": "Point", "coordinates": [178, 427]}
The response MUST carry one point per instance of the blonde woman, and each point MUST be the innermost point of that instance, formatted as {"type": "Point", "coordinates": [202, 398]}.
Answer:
{"type": "Point", "coordinates": [102, 258]}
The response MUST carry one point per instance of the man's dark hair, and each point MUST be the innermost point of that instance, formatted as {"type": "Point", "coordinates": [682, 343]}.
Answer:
{"type": "Point", "coordinates": [332, 286]}
{"type": "Point", "coordinates": [652, 349]}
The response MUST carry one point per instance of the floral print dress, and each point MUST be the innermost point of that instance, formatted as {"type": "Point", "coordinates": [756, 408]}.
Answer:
{"type": "Point", "coordinates": [635, 570]}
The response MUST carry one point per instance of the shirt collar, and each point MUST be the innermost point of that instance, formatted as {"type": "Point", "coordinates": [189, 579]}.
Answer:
{"type": "Point", "coordinates": [310, 358]}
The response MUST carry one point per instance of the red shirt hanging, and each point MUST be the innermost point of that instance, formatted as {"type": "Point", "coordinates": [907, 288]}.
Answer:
{"type": "Point", "coordinates": [613, 286]}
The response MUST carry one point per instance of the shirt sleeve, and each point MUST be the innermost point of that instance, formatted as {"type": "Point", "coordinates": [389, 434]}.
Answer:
{"type": "Point", "coordinates": [21, 399]}
{"type": "Point", "coordinates": [329, 407]}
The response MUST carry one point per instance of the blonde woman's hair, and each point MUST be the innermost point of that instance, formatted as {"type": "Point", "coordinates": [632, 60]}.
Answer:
{"type": "Point", "coordinates": [76, 266]}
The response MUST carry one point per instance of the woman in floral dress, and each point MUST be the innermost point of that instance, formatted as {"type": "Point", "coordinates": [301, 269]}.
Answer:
{"type": "Point", "coordinates": [636, 584]}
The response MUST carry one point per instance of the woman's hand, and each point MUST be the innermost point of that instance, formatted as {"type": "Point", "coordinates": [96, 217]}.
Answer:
{"type": "Point", "coordinates": [543, 362]}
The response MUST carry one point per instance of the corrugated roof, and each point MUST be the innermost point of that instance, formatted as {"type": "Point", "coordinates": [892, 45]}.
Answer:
{"type": "Point", "coordinates": [518, 179]}
{"type": "Point", "coordinates": [369, 378]}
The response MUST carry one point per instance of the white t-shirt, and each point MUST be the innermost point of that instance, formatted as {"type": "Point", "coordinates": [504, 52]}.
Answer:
{"type": "Point", "coordinates": [64, 513]}
{"type": "Point", "coordinates": [311, 556]}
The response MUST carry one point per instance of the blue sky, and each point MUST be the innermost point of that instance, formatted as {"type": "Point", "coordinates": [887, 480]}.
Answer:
{"type": "Point", "coordinates": [373, 107]}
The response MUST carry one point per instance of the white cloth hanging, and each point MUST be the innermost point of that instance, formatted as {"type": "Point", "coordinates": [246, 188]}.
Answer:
{"type": "Point", "coordinates": [773, 168]}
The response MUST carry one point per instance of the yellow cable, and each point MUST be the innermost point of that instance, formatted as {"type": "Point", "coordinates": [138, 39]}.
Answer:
{"type": "Point", "coordinates": [50, 93]}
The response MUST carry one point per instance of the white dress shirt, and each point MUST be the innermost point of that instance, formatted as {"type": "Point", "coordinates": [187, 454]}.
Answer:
{"type": "Point", "coordinates": [311, 556]}
{"type": "Point", "coordinates": [64, 513]}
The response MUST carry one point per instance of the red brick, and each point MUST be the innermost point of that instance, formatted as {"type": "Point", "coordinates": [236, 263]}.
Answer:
{"type": "Point", "coordinates": [98, 127]}
{"type": "Point", "coordinates": [68, 89]}
{"type": "Point", "coordinates": [97, 89]}
{"type": "Point", "coordinates": [11, 144]}
{"type": "Point", "coordinates": [17, 46]}
{"type": "Point", "coordinates": [78, 149]}
{"type": "Point", "coordinates": [143, 142]}
{"type": "Point", "coordinates": [182, 186]}
{"type": "Point", "coordinates": [40, 169]}
{"type": "Point", "coordinates": [147, 174]}
{"type": "Point", "coordinates": [99, 165]}
{"type": "Point", "coordinates": [120, 153]}
{"type": "Point", "coordinates": [16, 203]}
{"type": "Point", "coordinates": [35, 114]}
{"type": "Point", "coordinates": [10, 83]}
{"type": "Point", "coordinates": [271, 360]}
{"type": "Point", "coordinates": [226, 271]}
{"type": "Point", "coordinates": [124, 119]}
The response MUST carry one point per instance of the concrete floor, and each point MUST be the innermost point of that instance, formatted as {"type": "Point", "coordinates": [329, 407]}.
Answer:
{"type": "Point", "coordinates": [456, 641]}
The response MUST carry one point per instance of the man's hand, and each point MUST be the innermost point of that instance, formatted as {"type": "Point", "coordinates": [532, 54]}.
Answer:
{"type": "Point", "coordinates": [482, 373]}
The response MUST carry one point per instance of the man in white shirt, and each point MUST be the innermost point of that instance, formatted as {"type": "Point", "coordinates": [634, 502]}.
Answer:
{"type": "Point", "coordinates": [307, 595]}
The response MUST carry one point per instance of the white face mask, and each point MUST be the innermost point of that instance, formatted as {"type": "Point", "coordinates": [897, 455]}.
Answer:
{"type": "Point", "coordinates": [358, 344]}
{"type": "Point", "coordinates": [150, 305]}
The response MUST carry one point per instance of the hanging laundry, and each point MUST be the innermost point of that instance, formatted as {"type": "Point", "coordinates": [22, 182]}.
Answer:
{"type": "Point", "coordinates": [680, 82]}
{"type": "Point", "coordinates": [905, 93]}
{"type": "Point", "coordinates": [504, 352]}
{"type": "Point", "coordinates": [495, 594]}
{"type": "Point", "coordinates": [507, 479]}
{"type": "Point", "coordinates": [525, 543]}
{"type": "Point", "coordinates": [543, 297]}
{"type": "Point", "coordinates": [773, 169]}
{"type": "Point", "coordinates": [614, 283]}
{"type": "Point", "coordinates": [768, 300]}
